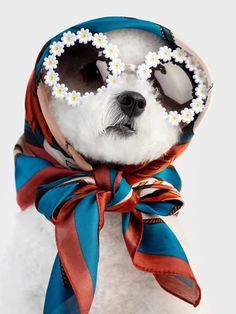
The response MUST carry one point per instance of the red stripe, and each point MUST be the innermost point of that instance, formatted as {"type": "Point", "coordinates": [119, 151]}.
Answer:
{"type": "Point", "coordinates": [102, 178]}
{"type": "Point", "coordinates": [133, 234]}
{"type": "Point", "coordinates": [174, 286]}
{"type": "Point", "coordinates": [125, 206]}
{"type": "Point", "coordinates": [73, 262]}
{"type": "Point", "coordinates": [41, 153]}
{"type": "Point", "coordinates": [27, 193]}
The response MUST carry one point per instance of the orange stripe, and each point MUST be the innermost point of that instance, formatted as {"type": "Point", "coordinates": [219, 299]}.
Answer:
{"type": "Point", "coordinates": [162, 264]}
{"type": "Point", "coordinates": [73, 261]}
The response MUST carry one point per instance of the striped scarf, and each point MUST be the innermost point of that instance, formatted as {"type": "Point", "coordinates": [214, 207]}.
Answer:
{"type": "Point", "coordinates": [48, 173]}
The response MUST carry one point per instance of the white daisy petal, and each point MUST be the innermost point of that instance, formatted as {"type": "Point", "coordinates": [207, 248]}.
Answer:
{"type": "Point", "coordinates": [116, 66]}
{"type": "Point", "coordinates": [187, 115]}
{"type": "Point", "coordinates": [99, 40]}
{"type": "Point", "coordinates": [84, 36]}
{"type": "Point", "coordinates": [59, 91]}
{"type": "Point", "coordinates": [165, 53]}
{"type": "Point", "coordinates": [174, 118]}
{"type": "Point", "coordinates": [87, 94]}
{"type": "Point", "coordinates": [179, 55]}
{"type": "Point", "coordinates": [73, 98]}
{"type": "Point", "coordinates": [57, 48]}
{"type": "Point", "coordinates": [151, 59]}
{"type": "Point", "coordinates": [111, 51]}
{"type": "Point", "coordinates": [114, 80]}
{"type": "Point", "coordinates": [50, 62]}
{"type": "Point", "coordinates": [68, 39]}
{"type": "Point", "coordinates": [201, 91]}
{"type": "Point", "coordinates": [144, 72]}
{"type": "Point", "coordinates": [197, 105]}
{"type": "Point", "coordinates": [191, 64]}
{"type": "Point", "coordinates": [101, 89]}
{"type": "Point", "coordinates": [51, 78]}
{"type": "Point", "coordinates": [199, 76]}
{"type": "Point", "coordinates": [165, 113]}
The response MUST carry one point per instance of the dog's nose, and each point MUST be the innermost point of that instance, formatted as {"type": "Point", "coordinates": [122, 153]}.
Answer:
{"type": "Point", "coordinates": [131, 103]}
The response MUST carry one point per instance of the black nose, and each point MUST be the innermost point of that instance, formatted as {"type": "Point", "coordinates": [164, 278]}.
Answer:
{"type": "Point", "coordinates": [131, 103]}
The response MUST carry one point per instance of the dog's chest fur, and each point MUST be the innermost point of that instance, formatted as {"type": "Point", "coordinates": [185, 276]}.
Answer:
{"type": "Point", "coordinates": [121, 288]}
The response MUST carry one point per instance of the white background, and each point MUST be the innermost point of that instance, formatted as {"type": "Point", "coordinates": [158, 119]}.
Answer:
{"type": "Point", "coordinates": [207, 167]}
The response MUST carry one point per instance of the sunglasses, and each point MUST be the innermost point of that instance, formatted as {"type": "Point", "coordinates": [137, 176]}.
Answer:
{"type": "Point", "coordinates": [91, 65]}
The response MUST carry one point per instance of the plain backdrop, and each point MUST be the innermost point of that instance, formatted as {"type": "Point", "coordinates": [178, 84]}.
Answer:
{"type": "Point", "coordinates": [207, 167]}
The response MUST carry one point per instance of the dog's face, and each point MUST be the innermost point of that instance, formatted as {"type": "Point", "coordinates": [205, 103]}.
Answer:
{"type": "Point", "coordinates": [124, 124]}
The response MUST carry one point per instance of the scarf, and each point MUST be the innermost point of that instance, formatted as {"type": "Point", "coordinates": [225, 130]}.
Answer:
{"type": "Point", "coordinates": [73, 195]}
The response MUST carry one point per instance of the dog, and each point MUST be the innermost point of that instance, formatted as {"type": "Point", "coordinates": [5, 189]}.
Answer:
{"type": "Point", "coordinates": [123, 125]}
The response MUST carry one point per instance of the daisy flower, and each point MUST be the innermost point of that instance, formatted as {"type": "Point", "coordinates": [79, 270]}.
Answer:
{"type": "Point", "coordinates": [116, 66]}
{"type": "Point", "coordinates": [59, 91]}
{"type": "Point", "coordinates": [56, 48]}
{"type": "Point", "coordinates": [99, 40]}
{"type": "Point", "coordinates": [51, 78]}
{"type": "Point", "coordinates": [179, 55]}
{"type": "Point", "coordinates": [187, 115]}
{"type": "Point", "coordinates": [199, 76]}
{"type": "Point", "coordinates": [174, 118]}
{"type": "Point", "coordinates": [111, 51]}
{"type": "Point", "coordinates": [201, 91]}
{"type": "Point", "coordinates": [144, 72]}
{"type": "Point", "coordinates": [191, 63]}
{"type": "Point", "coordinates": [197, 105]}
{"type": "Point", "coordinates": [113, 80]}
{"type": "Point", "coordinates": [68, 39]}
{"type": "Point", "coordinates": [164, 53]}
{"type": "Point", "coordinates": [50, 63]}
{"type": "Point", "coordinates": [151, 59]}
{"type": "Point", "coordinates": [73, 98]}
{"type": "Point", "coordinates": [84, 36]}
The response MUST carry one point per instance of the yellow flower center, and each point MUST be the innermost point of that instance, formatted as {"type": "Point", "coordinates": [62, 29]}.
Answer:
{"type": "Point", "coordinates": [84, 35]}
{"type": "Point", "coordinates": [68, 38]}
{"type": "Point", "coordinates": [73, 98]}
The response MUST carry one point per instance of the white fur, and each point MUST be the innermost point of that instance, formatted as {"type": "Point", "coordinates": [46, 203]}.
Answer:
{"type": "Point", "coordinates": [121, 288]}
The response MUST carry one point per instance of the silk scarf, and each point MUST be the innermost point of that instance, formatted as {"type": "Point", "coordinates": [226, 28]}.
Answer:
{"type": "Point", "coordinates": [73, 195]}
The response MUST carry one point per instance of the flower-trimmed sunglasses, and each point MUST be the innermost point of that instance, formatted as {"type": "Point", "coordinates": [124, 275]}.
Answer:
{"type": "Point", "coordinates": [94, 49]}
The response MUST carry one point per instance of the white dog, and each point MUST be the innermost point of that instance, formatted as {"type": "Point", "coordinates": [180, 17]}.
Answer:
{"type": "Point", "coordinates": [124, 125]}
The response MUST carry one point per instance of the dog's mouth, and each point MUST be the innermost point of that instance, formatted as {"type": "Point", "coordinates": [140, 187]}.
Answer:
{"type": "Point", "coordinates": [124, 129]}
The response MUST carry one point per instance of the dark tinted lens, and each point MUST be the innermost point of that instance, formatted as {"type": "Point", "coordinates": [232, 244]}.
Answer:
{"type": "Point", "coordinates": [83, 68]}
{"type": "Point", "coordinates": [175, 85]}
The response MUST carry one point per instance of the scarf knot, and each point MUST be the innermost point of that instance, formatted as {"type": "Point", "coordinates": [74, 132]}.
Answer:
{"type": "Point", "coordinates": [75, 202]}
